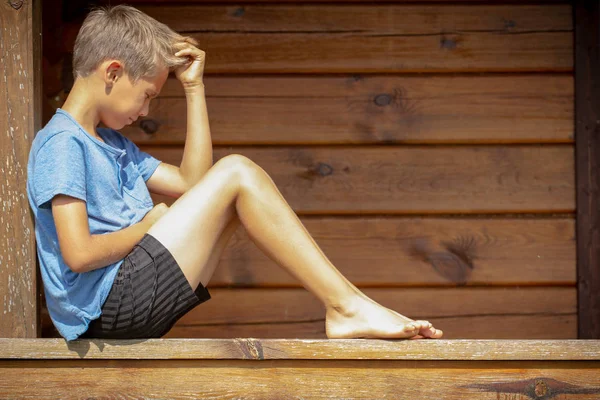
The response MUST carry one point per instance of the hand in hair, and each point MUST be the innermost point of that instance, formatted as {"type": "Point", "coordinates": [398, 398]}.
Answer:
{"type": "Point", "coordinates": [191, 73]}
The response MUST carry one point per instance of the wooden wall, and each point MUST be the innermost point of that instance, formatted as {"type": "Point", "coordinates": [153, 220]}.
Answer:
{"type": "Point", "coordinates": [20, 118]}
{"type": "Point", "coordinates": [428, 148]}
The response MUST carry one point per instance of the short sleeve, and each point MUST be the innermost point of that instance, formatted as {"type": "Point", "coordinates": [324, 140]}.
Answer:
{"type": "Point", "coordinates": [145, 162]}
{"type": "Point", "coordinates": [59, 168]}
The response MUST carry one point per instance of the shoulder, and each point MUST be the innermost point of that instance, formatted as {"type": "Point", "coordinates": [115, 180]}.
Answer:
{"type": "Point", "coordinates": [58, 131]}
{"type": "Point", "coordinates": [57, 142]}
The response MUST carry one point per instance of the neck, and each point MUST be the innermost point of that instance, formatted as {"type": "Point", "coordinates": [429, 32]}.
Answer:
{"type": "Point", "coordinates": [81, 107]}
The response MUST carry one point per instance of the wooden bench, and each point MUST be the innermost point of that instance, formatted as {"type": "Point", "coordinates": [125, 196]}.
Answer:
{"type": "Point", "coordinates": [284, 368]}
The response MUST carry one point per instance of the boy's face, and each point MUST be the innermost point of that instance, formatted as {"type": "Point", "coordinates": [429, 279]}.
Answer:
{"type": "Point", "coordinates": [125, 101]}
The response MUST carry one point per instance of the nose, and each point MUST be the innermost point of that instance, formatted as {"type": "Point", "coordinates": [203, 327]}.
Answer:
{"type": "Point", "coordinates": [145, 109]}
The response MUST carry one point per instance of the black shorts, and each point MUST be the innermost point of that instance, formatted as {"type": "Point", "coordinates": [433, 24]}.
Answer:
{"type": "Point", "coordinates": [149, 294]}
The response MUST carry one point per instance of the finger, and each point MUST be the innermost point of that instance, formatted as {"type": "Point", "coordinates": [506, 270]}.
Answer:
{"type": "Point", "coordinates": [184, 44]}
{"type": "Point", "coordinates": [189, 52]}
{"type": "Point", "coordinates": [180, 53]}
{"type": "Point", "coordinates": [180, 45]}
{"type": "Point", "coordinates": [189, 49]}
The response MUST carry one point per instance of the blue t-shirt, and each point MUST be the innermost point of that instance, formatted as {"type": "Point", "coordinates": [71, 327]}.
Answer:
{"type": "Point", "coordinates": [110, 177]}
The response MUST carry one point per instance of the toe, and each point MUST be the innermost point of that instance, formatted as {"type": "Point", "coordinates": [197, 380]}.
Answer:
{"type": "Point", "coordinates": [431, 333]}
{"type": "Point", "coordinates": [424, 324]}
{"type": "Point", "coordinates": [434, 333]}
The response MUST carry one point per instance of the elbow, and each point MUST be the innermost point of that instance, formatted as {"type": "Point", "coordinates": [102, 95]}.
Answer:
{"type": "Point", "coordinates": [75, 262]}
{"type": "Point", "coordinates": [77, 252]}
{"type": "Point", "coordinates": [75, 266]}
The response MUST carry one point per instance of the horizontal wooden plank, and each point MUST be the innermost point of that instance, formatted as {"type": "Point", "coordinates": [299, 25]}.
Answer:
{"type": "Point", "coordinates": [394, 252]}
{"type": "Point", "coordinates": [467, 313]}
{"type": "Point", "coordinates": [356, 38]}
{"type": "Point", "coordinates": [415, 180]}
{"type": "Point", "coordinates": [369, 109]}
{"type": "Point", "coordinates": [231, 53]}
{"type": "Point", "coordinates": [452, 380]}
{"type": "Point", "coordinates": [298, 349]}
{"type": "Point", "coordinates": [368, 18]}
{"type": "Point", "coordinates": [253, 306]}
{"type": "Point", "coordinates": [476, 327]}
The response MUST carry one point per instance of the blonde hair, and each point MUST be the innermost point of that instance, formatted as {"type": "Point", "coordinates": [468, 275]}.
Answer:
{"type": "Point", "coordinates": [126, 34]}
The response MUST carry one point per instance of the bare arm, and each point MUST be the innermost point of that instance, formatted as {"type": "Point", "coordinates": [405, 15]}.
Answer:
{"type": "Point", "coordinates": [197, 158]}
{"type": "Point", "coordinates": [197, 153]}
{"type": "Point", "coordinates": [83, 251]}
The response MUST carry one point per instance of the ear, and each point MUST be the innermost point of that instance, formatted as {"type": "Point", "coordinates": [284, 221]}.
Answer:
{"type": "Point", "coordinates": [113, 72]}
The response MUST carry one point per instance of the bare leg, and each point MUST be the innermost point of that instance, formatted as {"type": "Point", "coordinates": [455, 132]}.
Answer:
{"type": "Point", "coordinates": [220, 246]}
{"type": "Point", "coordinates": [191, 230]}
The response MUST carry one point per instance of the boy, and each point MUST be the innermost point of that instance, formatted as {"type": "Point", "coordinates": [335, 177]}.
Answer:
{"type": "Point", "coordinates": [114, 265]}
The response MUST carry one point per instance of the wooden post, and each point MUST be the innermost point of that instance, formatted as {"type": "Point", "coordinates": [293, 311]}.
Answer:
{"type": "Point", "coordinates": [20, 118]}
{"type": "Point", "coordinates": [587, 150]}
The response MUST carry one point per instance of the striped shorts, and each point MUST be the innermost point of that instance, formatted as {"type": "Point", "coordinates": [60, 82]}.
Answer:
{"type": "Point", "coordinates": [149, 294]}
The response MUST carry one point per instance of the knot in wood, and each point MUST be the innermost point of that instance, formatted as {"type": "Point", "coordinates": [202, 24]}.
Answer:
{"type": "Point", "coordinates": [239, 12]}
{"type": "Point", "coordinates": [324, 169]}
{"type": "Point", "coordinates": [541, 389]}
{"type": "Point", "coordinates": [446, 43]}
{"type": "Point", "coordinates": [383, 100]}
{"type": "Point", "coordinates": [16, 4]}
{"type": "Point", "coordinates": [251, 349]}
{"type": "Point", "coordinates": [149, 126]}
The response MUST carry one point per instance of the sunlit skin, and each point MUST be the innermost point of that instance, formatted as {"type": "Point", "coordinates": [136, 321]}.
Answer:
{"type": "Point", "coordinates": [123, 101]}
{"type": "Point", "coordinates": [234, 191]}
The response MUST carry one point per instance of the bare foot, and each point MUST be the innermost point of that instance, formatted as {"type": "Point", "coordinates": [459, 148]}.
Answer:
{"type": "Point", "coordinates": [364, 318]}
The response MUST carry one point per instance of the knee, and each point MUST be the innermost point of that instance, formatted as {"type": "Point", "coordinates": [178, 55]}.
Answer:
{"type": "Point", "coordinates": [240, 166]}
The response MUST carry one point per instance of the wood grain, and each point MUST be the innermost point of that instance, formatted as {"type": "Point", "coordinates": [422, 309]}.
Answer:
{"type": "Point", "coordinates": [298, 349]}
{"type": "Point", "coordinates": [266, 53]}
{"type": "Point", "coordinates": [416, 180]}
{"type": "Point", "coordinates": [356, 38]}
{"type": "Point", "coordinates": [367, 18]}
{"type": "Point", "coordinates": [20, 118]}
{"type": "Point", "coordinates": [473, 313]}
{"type": "Point", "coordinates": [587, 81]}
{"type": "Point", "coordinates": [382, 38]}
{"type": "Point", "coordinates": [404, 252]}
{"type": "Point", "coordinates": [300, 379]}
{"type": "Point", "coordinates": [477, 327]}
{"type": "Point", "coordinates": [465, 313]}
{"type": "Point", "coordinates": [364, 109]}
